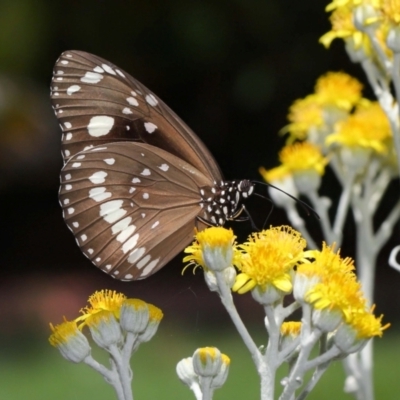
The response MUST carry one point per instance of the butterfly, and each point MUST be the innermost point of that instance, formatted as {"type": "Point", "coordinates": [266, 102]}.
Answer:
{"type": "Point", "coordinates": [136, 179]}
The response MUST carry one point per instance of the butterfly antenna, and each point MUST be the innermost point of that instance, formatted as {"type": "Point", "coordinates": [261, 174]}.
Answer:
{"type": "Point", "coordinates": [307, 208]}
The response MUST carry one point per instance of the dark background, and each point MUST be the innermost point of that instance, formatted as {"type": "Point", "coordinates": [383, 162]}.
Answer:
{"type": "Point", "coordinates": [230, 69]}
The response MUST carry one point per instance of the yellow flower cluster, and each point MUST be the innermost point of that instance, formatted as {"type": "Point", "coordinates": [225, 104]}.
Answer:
{"type": "Point", "coordinates": [368, 127]}
{"type": "Point", "coordinates": [276, 259]}
{"type": "Point", "coordinates": [335, 116]}
{"type": "Point", "coordinates": [351, 19]}
{"type": "Point", "coordinates": [107, 307]}
{"type": "Point", "coordinates": [338, 291]}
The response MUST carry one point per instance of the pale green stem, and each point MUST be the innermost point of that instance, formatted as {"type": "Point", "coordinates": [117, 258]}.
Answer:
{"type": "Point", "coordinates": [110, 377]}
{"type": "Point", "coordinates": [298, 223]}
{"type": "Point", "coordinates": [385, 98]}
{"type": "Point", "coordinates": [124, 373]}
{"type": "Point", "coordinates": [313, 381]}
{"type": "Point", "coordinates": [321, 206]}
{"type": "Point", "coordinates": [205, 385]}
{"type": "Point", "coordinates": [308, 339]}
{"type": "Point", "coordinates": [394, 119]}
{"type": "Point", "coordinates": [196, 391]}
{"type": "Point", "coordinates": [381, 55]}
{"type": "Point", "coordinates": [263, 369]}
{"type": "Point", "coordinates": [342, 210]}
{"type": "Point", "coordinates": [297, 373]}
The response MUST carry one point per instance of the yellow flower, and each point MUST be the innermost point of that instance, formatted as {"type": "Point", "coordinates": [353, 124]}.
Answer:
{"type": "Point", "coordinates": [277, 174]}
{"type": "Point", "coordinates": [391, 11]}
{"type": "Point", "coordinates": [343, 28]}
{"type": "Point", "coordinates": [213, 249]}
{"type": "Point", "coordinates": [337, 292]}
{"type": "Point", "coordinates": [104, 300]}
{"type": "Point", "coordinates": [304, 114]}
{"type": "Point", "coordinates": [207, 361]}
{"type": "Point", "coordinates": [291, 328]}
{"type": "Point", "coordinates": [339, 89]}
{"type": "Point", "coordinates": [361, 326]}
{"type": "Point", "coordinates": [70, 341]}
{"type": "Point", "coordinates": [268, 259]}
{"type": "Point", "coordinates": [351, 3]}
{"type": "Point", "coordinates": [326, 262]}
{"type": "Point", "coordinates": [366, 324]}
{"type": "Point", "coordinates": [367, 128]}
{"type": "Point", "coordinates": [301, 157]}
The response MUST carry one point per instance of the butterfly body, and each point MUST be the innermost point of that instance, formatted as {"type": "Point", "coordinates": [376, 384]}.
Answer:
{"type": "Point", "coordinates": [136, 179]}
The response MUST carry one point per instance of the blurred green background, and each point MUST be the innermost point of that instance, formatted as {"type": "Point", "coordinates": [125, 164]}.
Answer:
{"type": "Point", "coordinates": [230, 69]}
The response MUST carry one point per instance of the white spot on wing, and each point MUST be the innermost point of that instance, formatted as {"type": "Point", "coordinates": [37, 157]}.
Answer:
{"type": "Point", "coordinates": [164, 167]}
{"type": "Point", "coordinates": [151, 100]}
{"type": "Point", "coordinates": [145, 196]}
{"type": "Point", "coordinates": [149, 268]}
{"type": "Point", "coordinates": [81, 157]}
{"type": "Point", "coordinates": [108, 69]}
{"type": "Point", "coordinates": [124, 229]}
{"type": "Point", "coordinates": [75, 224]}
{"type": "Point", "coordinates": [132, 101]}
{"type": "Point", "coordinates": [136, 254]}
{"type": "Point", "coordinates": [100, 125]}
{"type": "Point", "coordinates": [109, 161]}
{"type": "Point", "coordinates": [83, 237]}
{"type": "Point", "coordinates": [98, 177]}
{"type": "Point", "coordinates": [99, 194]}
{"type": "Point", "coordinates": [92, 77]}
{"type": "Point", "coordinates": [145, 172]}
{"type": "Point", "coordinates": [136, 180]}
{"type": "Point", "coordinates": [127, 111]}
{"type": "Point", "coordinates": [99, 148]}
{"type": "Point", "coordinates": [112, 211]}
{"type": "Point", "coordinates": [132, 189]}
{"type": "Point", "coordinates": [126, 233]}
{"type": "Point", "coordinates": [155, 224]}
{"type": "Point", "coordinates": [72, 89]}
{"type": "Point", "coordinates": [121, 225]}
{"type": "Point", "coordinates": [143, 261]}
{"type": "Point", "coordinates": [76, 165]}
{"type": "Point", "coordinates": [98, 69]}
{"type": "Point", "coordinates": [68, 187]}
{"type": "Point", "coordinates": [119, 73]}
{"type": "Point", "coordinates": [68, 125]}
{"type": "Point", "coordinates": [90, 251]}
{"type": "Point", "coordinates": [71, 210]}
{"type": "Point", "coordinates": [67, 177]}
{"type": "Point", "coordinates": [68, 136]}
{"type": "Point", "coordinates": [66, 201]}
{"type": "Point", "coordinates": [150, 127]}
{"type": "Point", "coordinates": [130, 243]}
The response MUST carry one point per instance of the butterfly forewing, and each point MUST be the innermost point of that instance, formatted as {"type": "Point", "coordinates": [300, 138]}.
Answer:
{"type": "Point", "coordinates": [98, 103]}
{"type": "Point", "coordinates": [131, 206]}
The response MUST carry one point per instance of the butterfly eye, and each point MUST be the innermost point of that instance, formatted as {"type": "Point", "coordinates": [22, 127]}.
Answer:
{"type": "Point", "coordinates": [136, 180]}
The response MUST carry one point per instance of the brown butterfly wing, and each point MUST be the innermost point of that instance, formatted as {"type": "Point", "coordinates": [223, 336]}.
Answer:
{"type": "Point", "coordinates": [131, 206]}
{"type": "Point", "coordinates": [98, 103]}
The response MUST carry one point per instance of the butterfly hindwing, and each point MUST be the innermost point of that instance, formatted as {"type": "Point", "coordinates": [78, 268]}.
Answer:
{"type": "Point", "coordinates": [131, 206]}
